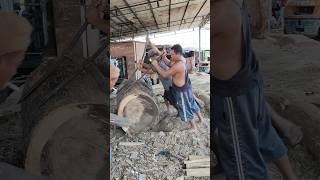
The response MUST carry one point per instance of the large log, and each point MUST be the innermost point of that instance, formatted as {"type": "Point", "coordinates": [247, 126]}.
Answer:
{"type": "Point", "coordinates": [137, 102]}
{"type": "Point", "coordinates": [9, 172]}
{"type": "Point", "coordinates": [48, 123]}
{"type": "Point", "coordinates": [69, 139]}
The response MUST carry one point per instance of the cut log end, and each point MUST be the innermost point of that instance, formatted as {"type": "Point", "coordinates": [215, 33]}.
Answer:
{"type": "Point", "coordinates": [72, 137]}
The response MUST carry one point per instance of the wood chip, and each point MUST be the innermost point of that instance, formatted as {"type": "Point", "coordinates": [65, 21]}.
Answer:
{"type": "Point", "coordinates": [197, 160]}
{"type": "Point", "coordinates": [194, 157]}
{"type": "Point", "coordinates": [200, 172]}
{"type": "Point", "coordinates": [131, 143]}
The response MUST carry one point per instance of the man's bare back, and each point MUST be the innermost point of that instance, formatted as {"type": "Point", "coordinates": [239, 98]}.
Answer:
{"type": "Point", "coordinates": [179, 77]}
{"type": "Point", "coordinates": [226, 38]}
{"type": "Point", "coordinates": [177, 71]}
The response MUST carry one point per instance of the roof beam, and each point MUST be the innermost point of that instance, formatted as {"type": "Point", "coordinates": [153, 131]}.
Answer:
{"type": "Point", "coordinates": [140, 4]}
{"type": "Point", "coordinates": [155, 30]}
{"type": "Point", "coordinates": [198, 12]}
{"type": "Point", "coordinates": [127, 4]}
{"type": "Point", "coordinates": [185, 21]}
{"type": "Point", "coordinates": [184, 13]}
{"type": "Point", "coordinates": [155, 20]}
{"type": "Point", "coordinates": [125, 19]}
{"type": "Point", "coordinates": [163, 6]}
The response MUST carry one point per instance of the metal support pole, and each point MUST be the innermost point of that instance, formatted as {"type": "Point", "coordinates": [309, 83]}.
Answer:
{"type": "Point", "coordinates": [200, 57]}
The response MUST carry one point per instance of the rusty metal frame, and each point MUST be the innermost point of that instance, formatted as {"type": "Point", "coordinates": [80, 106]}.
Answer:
{"type": "Point", "coordinates": [197, 13]}
{"type": "Point", "coordinates": [151, 9]}
{"type": "Point", "coordinates": [135, 15]}
{"type": "Point", "coordinates": [184, 13]}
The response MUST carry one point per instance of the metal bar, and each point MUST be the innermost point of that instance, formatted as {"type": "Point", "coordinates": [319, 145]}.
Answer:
{"type": "Point", "coordinates": [125, 19]}
{"type": "Point", "coordinates": [86, 64]}
{"type": "Point", "coordinates": [198, 12]}
{"type": "Point", "coordinates": [56, 64]}
{"type": "Point", "coordinates": [200, 57]}
{"type": "Point", "coordinates": [155, 20]}
{"type": "Point", "coordinates": [169, 13]}
{"type": "Point", "coordinates": [140, 4]}
{"type": "Point", "coordinates": [113, 35]}
{"type": "Point", "coordinates": [172, 4]}
{"type": "Point", "coordinates": [151, 27]}
{"type": "Point", "coordinates": [205, 20]}
{"type": "Point", "coordinates": [184, 13]}
{"type": "Point", "coordinates": [135, 15]}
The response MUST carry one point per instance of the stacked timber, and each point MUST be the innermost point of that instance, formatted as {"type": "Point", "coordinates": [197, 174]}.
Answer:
{"type": "Point", "coordinates": [198, 166]}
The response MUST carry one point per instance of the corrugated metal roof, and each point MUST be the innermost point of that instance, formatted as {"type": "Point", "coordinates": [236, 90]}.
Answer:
{"type": "Point", "coordinates": [130, 18]}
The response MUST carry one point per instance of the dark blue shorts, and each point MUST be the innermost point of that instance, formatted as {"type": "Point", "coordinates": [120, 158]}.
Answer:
{"type": "Point", "coordinates": [246, 138]}
{"type": "Point", "coordinates": [186, 103]}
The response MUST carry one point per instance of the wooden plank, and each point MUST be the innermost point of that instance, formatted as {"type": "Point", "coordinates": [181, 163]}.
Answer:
{"type": "Point", "coordinates": [198, 160]}
{"type": "Point", "coordinates": [131, 143]}
{"type": "Point", "coordinates": [195, 157]}
{"type": "Point", "coordinates": [198, 165]}
{"type": "Point", "coordinates": [118, 120]}
{"type": "Point", "coordinates": [200, 172]}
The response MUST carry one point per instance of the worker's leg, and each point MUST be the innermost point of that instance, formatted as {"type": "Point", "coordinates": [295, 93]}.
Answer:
{"type": "Point", "coordinates": [185, 110]}
{"type": "Point", "coordinates": [285, 168]}
{"type": "Point", "coordinates": [238, 137]}
{"type": "Point", "coordinates": [271, 145]}
{"type": "Point", "coordinates": [195, 107]}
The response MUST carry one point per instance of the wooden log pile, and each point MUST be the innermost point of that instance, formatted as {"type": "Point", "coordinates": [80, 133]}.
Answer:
{"type": "Point", "coordinates": [198, 166]}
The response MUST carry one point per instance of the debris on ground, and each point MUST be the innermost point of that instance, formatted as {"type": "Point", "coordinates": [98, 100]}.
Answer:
{"type": "Point", "coordinates": [161, 152]}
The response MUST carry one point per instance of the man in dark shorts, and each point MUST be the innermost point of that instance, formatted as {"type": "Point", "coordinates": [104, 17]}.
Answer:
{"type": "Point", "coordinates": [166, 82]}
{"type": "Point", "coordinates": [181, 88]}
{"type": "Point", "coordinates": [246, 138]}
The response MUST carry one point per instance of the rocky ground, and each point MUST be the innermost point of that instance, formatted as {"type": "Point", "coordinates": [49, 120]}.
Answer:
{"type": "Point", "coordinates": [291, 66]}
{"type": "Point", "coordinates": [165, 146]}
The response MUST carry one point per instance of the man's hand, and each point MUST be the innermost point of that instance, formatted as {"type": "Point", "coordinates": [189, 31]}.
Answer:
{"type": "Point", "coordinates": [164, 53]}
{"type": "Point", "coordinates": [155, 63]}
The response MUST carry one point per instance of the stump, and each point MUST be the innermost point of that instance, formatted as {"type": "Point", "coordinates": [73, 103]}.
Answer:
{"type": "Point", "coordinates": [137, 102]}
{"type": "Point", "coordinates": [69, 130]}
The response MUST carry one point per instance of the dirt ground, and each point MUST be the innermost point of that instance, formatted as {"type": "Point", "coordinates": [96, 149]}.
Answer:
{"type": "Point", "coordinates": [166, 146]}
{"type": "Point", "coordinates": [291, 66]}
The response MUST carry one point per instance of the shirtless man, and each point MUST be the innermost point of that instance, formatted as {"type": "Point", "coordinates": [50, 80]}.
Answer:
{"type": "Point", "coordinates": [166, 82]}
{"type": "Point", "coordinates": [114, 75]}
{"type": "Point", "coordinates": [181, 88]}
{"type": "Point", "coordinates": [246, 138]}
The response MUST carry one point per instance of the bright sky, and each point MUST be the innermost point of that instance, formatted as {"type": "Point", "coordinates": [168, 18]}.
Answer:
{"type": "Point", "coordinates": [186, 38]}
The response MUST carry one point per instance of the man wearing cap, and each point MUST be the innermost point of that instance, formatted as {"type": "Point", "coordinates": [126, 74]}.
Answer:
{"type": "Point", "coordinates": [166, 82]}
{"type": "Point", "coordinates": [181, 88]}
{"type": "Point", "coordinates": [15, 38]}
{"type": "Point", "coordinates": [15, 32]}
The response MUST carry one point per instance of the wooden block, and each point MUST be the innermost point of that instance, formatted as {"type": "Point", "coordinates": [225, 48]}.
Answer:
{"type": "Point", "coordinates": [131, 143]}
{"type": "Point", "coordinates": [194, 157]}
{"type": "Point", "coordinates": [200, 172]}
{"type": "Point", "coordinates": [198, 165]}
{"type": "Point", "coordinates": [197, 160]}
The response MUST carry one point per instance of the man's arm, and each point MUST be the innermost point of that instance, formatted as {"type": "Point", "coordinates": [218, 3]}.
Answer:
{"type": "Point", "coordinates": [94, 15]}
{"type": "Point", "coordinates": [226, 38]}
{"type": "Point", "coordinates": [170, 72]}
{"type": "Point", "coordinates": [145, 68]}
{"type": "Point", "coordinates": [153, 45]}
